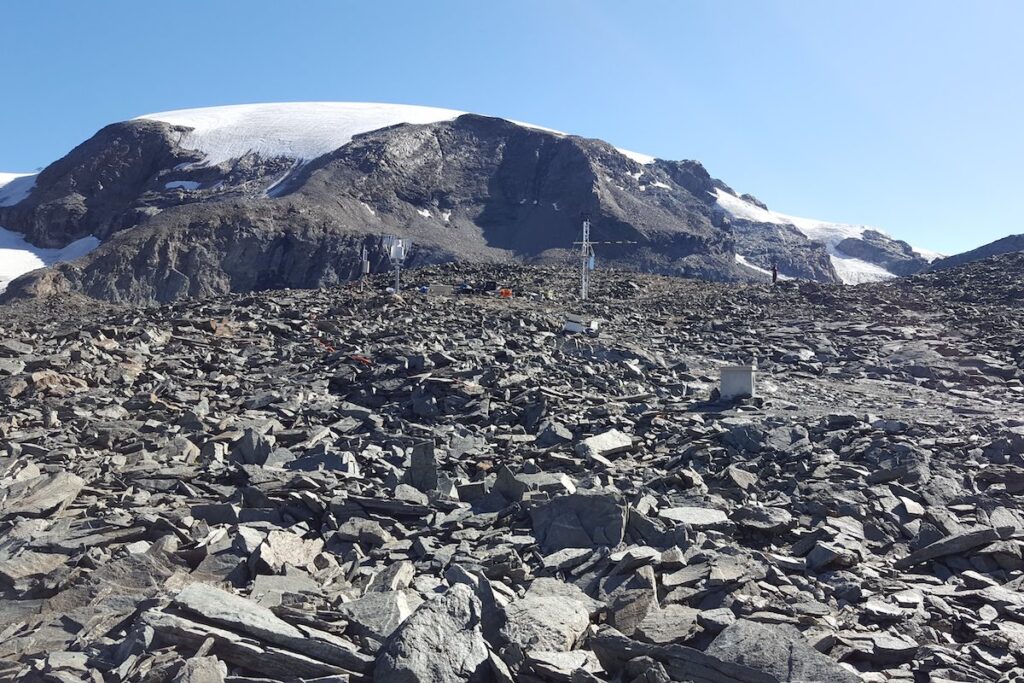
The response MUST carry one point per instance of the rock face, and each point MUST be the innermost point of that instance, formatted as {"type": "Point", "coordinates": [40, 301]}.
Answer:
{"type": "Point", "coordinates": [896, 256]}
{"type": "Point", "coordinates": [328, 485]}
{"type": "Point", "coordinates": [764, 244]}
{"type": "Point", "coordinates": [549, 624]}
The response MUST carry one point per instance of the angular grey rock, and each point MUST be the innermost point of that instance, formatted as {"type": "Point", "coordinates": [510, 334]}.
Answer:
{"type": "Point", "coordinates": [440, 643]}
{"type": "Point", "coordinates": [579, 521]}
{"type": "Point", "coordinates": [422, 473]}
{"type": "Point", "coordinates": [605, 445]}
{"type": "Point", "coordinates": [202, 670]}
{"type": "Point", "coordinates": [763, 519]}
{"type": "Point", "coordinates": [698, 518]}
{"type": "Point", "coordinates": [545, 587]}
{"type": "Point", "coordinates": [47, 494]}
{"type": "Point", "coordinates": [954, 544]}
{"type": "Point", "coordinates": [671, 624]}
{"type": "Point", "coordinates": [779, 650]}
{"type": "Point", "coordinates": [377, 614]}
{"type": "Point", "coordinates": [239, 614]}
{"type": "Point", "coordinates": [552, 624]}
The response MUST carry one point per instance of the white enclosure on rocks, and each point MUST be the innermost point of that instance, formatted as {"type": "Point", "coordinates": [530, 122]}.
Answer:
{"type": "Point", "coordinates": [737, 382]}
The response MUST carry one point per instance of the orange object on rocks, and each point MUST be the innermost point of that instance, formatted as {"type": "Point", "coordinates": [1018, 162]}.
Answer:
{"type": "Point", "coordinates": [505, 293]}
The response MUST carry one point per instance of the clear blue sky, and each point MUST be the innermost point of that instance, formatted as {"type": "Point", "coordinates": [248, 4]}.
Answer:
{"type": "Point", "coordinates": [908, 115]}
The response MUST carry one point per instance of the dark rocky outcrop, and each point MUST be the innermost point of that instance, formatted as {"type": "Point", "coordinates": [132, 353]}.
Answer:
{"type": "Point", "coordinates": [896, 256]}
{"type": "Point", "coordinates": [763, 244]}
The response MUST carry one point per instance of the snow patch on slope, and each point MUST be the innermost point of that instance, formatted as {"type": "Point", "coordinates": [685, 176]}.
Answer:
{"type": "Point", "coordinates": [18, 257]}
{"type": "Point", "coordinates": [14, 187]}
{"type": "Point", "coordinates": [301, 130]}
{"type": "Point", "coordinates": [182, 185]}
{"type": "Point", "coordinates": [850, 270]}
{"type": "Point", "coordinates": [855, 271]}
{"type": "Point", "coordinates": [742, 260]}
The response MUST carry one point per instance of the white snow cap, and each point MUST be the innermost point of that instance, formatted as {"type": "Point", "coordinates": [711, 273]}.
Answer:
{"type": "Point", "coordinates": [15, 186]}
{"type": "Point", "coordinates": [300, 130]}
{"type": "Point", "coordinates": [850, 270]}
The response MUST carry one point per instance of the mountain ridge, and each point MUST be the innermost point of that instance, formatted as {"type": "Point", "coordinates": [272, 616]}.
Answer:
{"type": "Point", "coordinates": [197, 184]}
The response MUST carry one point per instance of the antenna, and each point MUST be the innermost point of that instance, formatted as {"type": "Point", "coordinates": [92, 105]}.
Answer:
{"type": "Point", "coordinates": [588, 259]}
{"type": "Point", "coordinates": [396, 248]}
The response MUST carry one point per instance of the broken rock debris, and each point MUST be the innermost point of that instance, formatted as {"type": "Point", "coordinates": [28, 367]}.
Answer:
{"type": "Point", "coordinates": [332, 486]}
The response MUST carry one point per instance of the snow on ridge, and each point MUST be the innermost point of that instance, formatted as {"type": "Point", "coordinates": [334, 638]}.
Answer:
{"type": "Point", "coordinates": [850, 270]}
{"type": "Point", "coordinates": [14, 187]}
{"type": "Point", "coordinates": [18, 257]}
{"type": "Point", "coordinates": [301, 130]}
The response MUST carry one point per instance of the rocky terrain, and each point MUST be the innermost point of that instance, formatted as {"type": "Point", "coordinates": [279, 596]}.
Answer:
{"type": "Point", "coordinates": [210, 201]}
{"type": "Point", "coordinates": [341, 485]}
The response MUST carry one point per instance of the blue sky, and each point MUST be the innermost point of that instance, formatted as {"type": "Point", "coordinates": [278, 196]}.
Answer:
{"type": "Point", "coordinates": [905, 115]}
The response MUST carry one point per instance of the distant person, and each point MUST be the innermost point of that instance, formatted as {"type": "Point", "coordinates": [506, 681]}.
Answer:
{"type": "Point", "coordinates": [775, 272]}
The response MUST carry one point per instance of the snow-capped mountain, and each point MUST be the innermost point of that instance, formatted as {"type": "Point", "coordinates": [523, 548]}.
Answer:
{"type": "Point", "coordinates": [849, 247]}
{"type": "Point", "coordinates": [201, 201]}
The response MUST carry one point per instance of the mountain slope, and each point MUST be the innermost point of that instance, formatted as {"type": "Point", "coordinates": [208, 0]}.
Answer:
{"type": "Point", "coordinates": [1006, 245]}
{"type": "Point", "coordinates": [199, 202]}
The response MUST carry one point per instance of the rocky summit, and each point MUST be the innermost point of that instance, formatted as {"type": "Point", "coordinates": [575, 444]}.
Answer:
{"type": "Point", "coordinates": [344, 485]}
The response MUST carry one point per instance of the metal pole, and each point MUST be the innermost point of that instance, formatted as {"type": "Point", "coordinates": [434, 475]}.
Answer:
{"type": "Point", "coordinates": [585, 261]}
{"type": "Point", "coordinates": [398, 276]}
{"type": "Point", "coordinates": [364, 266]}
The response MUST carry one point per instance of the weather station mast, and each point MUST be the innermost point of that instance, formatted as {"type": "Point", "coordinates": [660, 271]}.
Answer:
{"type": "Point", "coordinates": [588, 259]}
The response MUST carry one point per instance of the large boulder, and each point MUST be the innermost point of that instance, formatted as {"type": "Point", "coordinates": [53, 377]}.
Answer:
{"type": "Point", "coordinates": [779, 650]}
{"type": "Point", "coordinates": [580, 520]}
{"type": "Point", "coordinates": [545, 623]}
{"type": "Point", "coordinates": [440, 643]}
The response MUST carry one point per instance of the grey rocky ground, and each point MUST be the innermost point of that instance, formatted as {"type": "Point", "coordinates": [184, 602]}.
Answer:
{"type": "Point", "coordinates": [333, 485]}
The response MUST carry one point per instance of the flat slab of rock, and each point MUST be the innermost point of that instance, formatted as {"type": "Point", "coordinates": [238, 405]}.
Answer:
{"type": "Point", "coordinates": [696, 517]}
{"type": "Point", "coordinates": [546, 587]}
{"type": "Point", "coordinates": [376, 614]}
{"type": "Point", "coordinates": [236, 613]}
{"type": "Point", "coordinates": [953, 545]}
{"type": "Point", "coordinates": [673, 624]}
{"type": "Point", "coordinates": [46, 494]}
{"type": "Point", "coordinates": [236, 649]}
{"type": "Point", "coordinates": [682, 663]}
{"type": "Point", "coordinates": [202, 670]}
{"type": "Point", "coordinates": [605, 445]}
{"type": "Point", "coordinates": [245, 616]}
